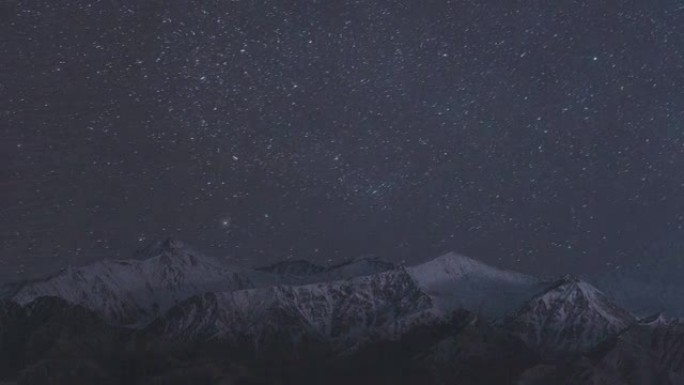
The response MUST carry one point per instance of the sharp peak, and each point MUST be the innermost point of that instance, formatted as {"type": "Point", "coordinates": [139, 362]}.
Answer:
{"type": "Point", "coordinates": [571, 282]}
{"type": "Point", "coordinates": [162, 246]}
{"type": "Point", "coordinates": [568, 279]}
{"type": "Point", "coordinates": [173, 243]}
{"type": "Point", "coordinates": [167, 244]}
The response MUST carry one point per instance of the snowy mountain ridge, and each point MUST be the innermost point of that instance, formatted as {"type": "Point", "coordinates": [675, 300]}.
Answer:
{"type": "Point", "coordinates": [187, 295]}
{"type": "Point", "coordinates": [345, 312]}
{"type": "Point", "coordinates": [452, 313]}
{"type": "Point", "coordinates": [136, 291]}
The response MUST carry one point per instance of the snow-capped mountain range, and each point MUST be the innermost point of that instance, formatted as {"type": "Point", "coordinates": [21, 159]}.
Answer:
{"type": "Point", "coordinates": [175, 284]}
{"type": "Point", "coordinates": [452, 313]}
{"type": "Point", "coordinates": [136, 291]}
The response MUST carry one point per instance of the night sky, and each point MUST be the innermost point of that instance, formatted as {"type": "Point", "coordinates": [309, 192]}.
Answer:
{"type": "Point", "coordinates": [546, 136]}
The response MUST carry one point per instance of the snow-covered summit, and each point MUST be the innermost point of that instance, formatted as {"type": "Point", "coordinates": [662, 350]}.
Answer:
{"type": "Point", "coordinates": [570, 317]}
{"type": "Point", "coordinates": [456, 281]}
{"type": "Point", "coordinates": [452, 265]}
{"type": "Point", "coordinates": [166, 273]}
{"type": "Point", "coordinates": [137, 290]}
{"type": "Point", "coordinates": [160, 246]}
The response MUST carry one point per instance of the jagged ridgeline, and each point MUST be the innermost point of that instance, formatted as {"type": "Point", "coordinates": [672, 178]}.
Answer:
{"type": "Point", "coordinates": [173, 316]}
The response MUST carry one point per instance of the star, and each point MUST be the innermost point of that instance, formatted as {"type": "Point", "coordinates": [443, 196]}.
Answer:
{"type": "Point", "coordinates": [402, 130]}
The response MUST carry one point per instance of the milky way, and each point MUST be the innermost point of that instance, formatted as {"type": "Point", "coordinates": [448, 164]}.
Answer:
{"type": "Point", "coordinates": [546, 136]}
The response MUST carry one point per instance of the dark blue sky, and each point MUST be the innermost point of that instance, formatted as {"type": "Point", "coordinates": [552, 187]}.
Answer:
{"type": "Point", "coordinates": [545, 136]}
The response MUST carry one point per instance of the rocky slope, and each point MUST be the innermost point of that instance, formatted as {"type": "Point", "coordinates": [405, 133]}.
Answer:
{"type": "Point", "coordinates": [137, 290]}
{"type": "Point", "coordinates": [569, 318]}
{"type": "Point", "coordinates": [646, 353]}
{"type": "Point", "coordinates": [342, 313]}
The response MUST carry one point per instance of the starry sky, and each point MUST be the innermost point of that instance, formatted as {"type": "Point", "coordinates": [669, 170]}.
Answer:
{"type": "Point", "coordinates": [546, 136]}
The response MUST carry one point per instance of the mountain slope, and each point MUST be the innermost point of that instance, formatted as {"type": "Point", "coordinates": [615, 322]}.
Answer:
{"type": "Point", "coordinates": [266, 326]}
{"type": "Point", "coordinates": [645, 353]}
{"type": "Point", "coordinates": [11, 319]}
{"type": "Point", "coordinates": [570, 317]}
{"type": "Point", "coordinates": [478, 353]}
{"type": "Point", "coordinates": [52, 341]}
{"type": "Point", "coordinates": [134, 291]}
{"type": "Point", "coordinates": [454, 281]}
{"type": "Point", "coordinates": [342, 313]}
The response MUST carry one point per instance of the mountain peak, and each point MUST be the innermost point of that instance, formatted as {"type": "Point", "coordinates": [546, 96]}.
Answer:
{"type": "Point", "coordinates": [455, 281]}
{"type": "Point", "coordinates": [172, 244]}
{"type": "Point", "coordinates": [571, 316]}
{"type": "Point", "coordinates": [453, 257]}
{"type": "Point", "coordinates": [168, 245]}
{"type": "Point", "coordinates": [134, 290]}
{"type": "Point", "coordinates": [566, 281]}
{"type": "Point", "coordinates": [457, 265]}
{"type": "Point", "coordinates": [569, 285]}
